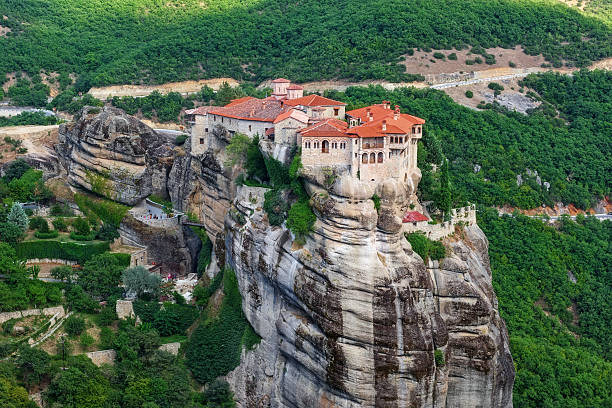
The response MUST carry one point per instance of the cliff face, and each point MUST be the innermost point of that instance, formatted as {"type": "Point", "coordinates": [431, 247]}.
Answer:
{"type": "Point", "coordinates": [353, 318]}
{"type": "Point", "coordinates": [114, 154]}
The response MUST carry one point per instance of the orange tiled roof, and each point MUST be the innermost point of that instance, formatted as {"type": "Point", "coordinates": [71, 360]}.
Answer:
{"type": "Point", "coordinates": [292, 113]}
{"type": "Point", "coordinates": [326, 128]}
{"type": "Point", "coordinates": [378, 111]}
{"type": "Point", "coordinates": [263, 110]}
{"type": "Point", "coordinates": [239, 101]}
{"type": "Point", "coordinates": [313, 100]}
{"type": "Point", "coordinates": [400, 126]}
{"type": "Point", "coordinates": [281, 81]}
{"type": "Point", "coordinates": [294, 87]}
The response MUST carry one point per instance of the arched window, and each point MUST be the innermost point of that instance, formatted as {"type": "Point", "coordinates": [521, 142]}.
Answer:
{"type": "Point", "coordinates": [380, 157]}
{"type": "Point", "coordinates": [364, 158]}
{"type": "Point", "coordinates": [325, 147]}
{"type": "Point", "coordinates": [372, 157]}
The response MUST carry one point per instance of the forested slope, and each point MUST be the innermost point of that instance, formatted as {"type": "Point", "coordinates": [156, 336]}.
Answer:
{"type": "Point", "coordinates": [120, 41]}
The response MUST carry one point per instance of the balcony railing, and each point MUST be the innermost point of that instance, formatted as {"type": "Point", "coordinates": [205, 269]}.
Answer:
{"type": "Point", "coordinates": [373, 145]}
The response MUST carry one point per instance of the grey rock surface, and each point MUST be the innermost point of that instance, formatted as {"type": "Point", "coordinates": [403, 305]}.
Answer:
{"type": "Point", "coordinates": [114, 154]}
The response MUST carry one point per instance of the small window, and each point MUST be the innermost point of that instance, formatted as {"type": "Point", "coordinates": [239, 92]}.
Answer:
{"type": "Point", "coordinates": [206, 130]}
{"type": "Point", "coordinates": [249, 128]}
{"type": "Point", "coordinates": [372, 157]}
{"type": "Point", "coordinates": [336, 111]}
{"type": "Point", "coordinates": [201, 140]}
{"type": "Point", "coordinates": [355, 142]}
{"type": "Point", "coordinates": [380, 157]}
{"type": "Point", "coordinates": [364, 158]}
{"type": "Point", "coordinates": [389, 154]}
{"type": "Point", "coordinates": [221, 119]}
{"type": "Point", "coordinates": [355, 155]}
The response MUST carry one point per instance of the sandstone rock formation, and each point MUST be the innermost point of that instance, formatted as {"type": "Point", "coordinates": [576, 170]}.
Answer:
{"type": "Point", "coordinates": [114, 154]}
{"type": "Point", "coordinates": [354, 317]}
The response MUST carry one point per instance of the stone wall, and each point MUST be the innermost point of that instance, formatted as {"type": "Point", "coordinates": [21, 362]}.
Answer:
{"type": "Point", "coordinates": [459, 216]}
{"type": "Point", "coordinates": [124, 309]}
{"type": "Point", "coordinates": [102, 357]}
{"type": "Point", "coordinates": [18, 314]}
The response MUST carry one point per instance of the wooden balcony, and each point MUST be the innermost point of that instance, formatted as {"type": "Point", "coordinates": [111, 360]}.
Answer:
{"type": "Point", "coordinates": [373, 146]}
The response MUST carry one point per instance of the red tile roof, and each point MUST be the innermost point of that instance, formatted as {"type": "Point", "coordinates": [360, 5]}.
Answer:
{"type": "Point", "coordinates": [239, 101]}
{"type": "Point", "coordinates": [414, 216]}
{"type": "Point", "coordinates": [313, 100]}
{"type": "Point", "coordinates": [292, 113]}
{"type": "Point", "coordinates": [294, 87]}
{"type": "Point", "coordinates": [326, 128]}
{"type": "Point", "coordinates": [281, 81]}
{"type": "Point", "coordinates": [378, 111]}
{"type": "Point", "coordinates": [263, 110]}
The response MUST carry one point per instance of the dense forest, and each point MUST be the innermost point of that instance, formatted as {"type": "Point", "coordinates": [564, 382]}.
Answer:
{"type": "Point", "coordinates": [554, 287]}
{"type": "Point", "coordinates": [151, 41]}
{"type": "Point", "coordinates": [566, 141]}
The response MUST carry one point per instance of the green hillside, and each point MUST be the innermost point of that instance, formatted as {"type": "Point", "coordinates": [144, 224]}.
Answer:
{"type": "Point", "coordinates": [159, 41]}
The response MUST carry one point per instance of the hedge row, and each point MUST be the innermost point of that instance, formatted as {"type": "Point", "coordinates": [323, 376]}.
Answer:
{"type": "Point", "coordinates": [46, 235]}
{"type": "Point", "coordinates": [70, 251]}
{"type": "Point", "coordinates": [124, 259]}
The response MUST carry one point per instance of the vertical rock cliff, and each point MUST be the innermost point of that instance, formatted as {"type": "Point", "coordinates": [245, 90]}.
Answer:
{"type": "Point", "coordinates": [354, 317]}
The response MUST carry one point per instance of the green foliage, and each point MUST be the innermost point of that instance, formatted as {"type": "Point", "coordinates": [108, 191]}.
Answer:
{"type": "Point", "coordinates": [15, 169]}
{"type": "Point", "coordinates": [86, 340]}
{"type": "Point", "coordinates": [82, 385]}
{"type": "Point", "coordinates": [38, 223]}
{"type": "Point", "coordinates": [78, 300]}
{"type": "Point", "coordinates": [180, 139]}
{"type": "Point", "coordinates": [100, 275]}
{"type": "Point", "coordinates": [203, 293]}
{"type": "Point", "coordinates": [28, 187]}
{"type": "Point", "coordinates": [81, 226]}
{"type": "Point", "coordinates": [25, 93]}
{"type": "Point", "coordinates": [237, 150]}
{"type": "Point", "coordinates": [255, 162]}
{"type": "Point", "coordinates": [46, 235]}
{"type": "Point", "coordinates": [301, 219]}
{"type": "Point", "coordinates": [439, 55]}
{"type": "Point", "coordinates": [215, 345]}
{"type": "Point", "coordinates": [60, 224]}
{"type": "Point", "coordinates": [218, 395]}
{"type": "Point", "coordinates": [426, 248]}
{"type": "Point", "coordinates": [452, 56]}
{"type": "Point", "coordinates": [439, 358]}
{"type": "Point", "coordinates": [74, 325]}
{"type": "Point", "coordinates": [63, 273]}
{"type": "Point", "coordinates": [69, 101]}
{"type": "Point", "coordinates": [13, 395]}
{"type": "Point", "coordinates": [123, 259]}
{"type": "Point", "coordinates": [161, 40]}
{"type": "Point", "coordinates": [61, 210]}
{"type": "Point", "coordinates": [140, 281]}
{"type": "Point", "coordinates": [29, 118]}
{"type": "Point", "coordinates": [109, 212]}
{"type": "Point", "coordinates": [531, 265]}
{"type": "Point", "coordinates": [33, 364]}
{"type": "Point", "coordinates": [376, 201]}
{"type": "Point", "coordinates": [275, 206]}
{"type": "Point", "coordinates": [18, 217]}
{"type": "Point", "coordinates": [70, 251]}
{"type": "Point", "coordinates": [469, 94]}
{"type": "Point", "coordinates": [444, 201]}
{"type": "Point", "coordinates": [165, 107]}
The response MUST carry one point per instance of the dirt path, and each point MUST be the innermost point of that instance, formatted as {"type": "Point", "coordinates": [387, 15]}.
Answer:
{"type": "Point", "coordinates": [184, 88]}
{"type": "Point", "coordinates": [36, 139]}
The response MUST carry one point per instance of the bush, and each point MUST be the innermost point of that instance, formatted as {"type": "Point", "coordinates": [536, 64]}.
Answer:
{"type": "Point", "coordinates": [86, 341]}
{"type": "Point", "coordinates": [46, 235]}
{"type": "Point", "coordinates": [495, 86]}
{"type": "Point", "coordinates": [426, 248]}
{"type": "Point", "coordinates": [77, 237]}
{"type": "Point", "coordinates": [452, 56]}
{"type": "Point", "coordinates": [107, 232]}
{"type": "Point", "coordinates": [275, 207]}
{"type": "Point", "coordinates": [107, 338]}
{"type": "Point", "coordinates": [439, 358]}
{"type": "Point", "coordinates": [439, 55]}
{"type": "Point", "coordinates": [123, 259]}
{"type": "Point", "coordinates": [376, 200]}
{"type": "Point", "coordinates": [36, 223]}
{"type": "Point", "coordinates": [301, 219]}
{"type": "Point", "coordinates": [74, 325]}
{"type": "Point", "coordinates": [70, 251]}
{"type": "Point", "coordinates": [62, 210]}
{"type": "Point", "coordinates": [60, 224]}
{"type": "Point", "coordinates": [180, 139]}
{"type": "Point", "coordinates": [81, 227]}
{"type": "Point", "coordinates": [469, 94]}
{"type": "Point", "coordinates": [512, 64]}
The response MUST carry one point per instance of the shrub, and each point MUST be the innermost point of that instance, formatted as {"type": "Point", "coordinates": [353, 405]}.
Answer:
{"type": "Point", "coordinates": [275, 207]}
{"type": "Point", "coordinates": [46, 235]}
{"type": "Point", "coordinates": [439, 358]}
{"type": "Point", "coordinates": [107, 315]}
{"type": "Point", "coordinates": [123, 259]}
{"type": "Point", "coordinates": [470, 62]}
{"type": "Point", "coordinates": [77, 237]}
{"type": "Point", "coordinates": [60, 224]}
{"type": "Point", "coordinates": [81, 227]}
{"type": "Point", "coordinates": [64, 273]}
{"type": "Point", "coordinates": [439, 55]}
{"type": "Point", "coordinates": [469, 94]}
{"type": "Point", "coordinates": [376, 200]}
{"type": "Point", "coordinates": [107, 232]}
{"type": "Point", "coordinates": [512, 64]}
{"type": "Point", "coordinates": [107, 338]}
{"type": "Point", "coordinates": [86, 341]}
{"type": "Point", "coordinates": [70, 251]}
{"type": "Point", "coordinates": [180, 139]}
{"type": "Point", "coordinates": [426, 248]}
{"type": "Point", "coordinates": [452, 56]}
{"type": "Point", "coordinates": [495, 86]}
{"type": "Point", "coordinates": [18, 217]}
{"type": "Point", "coordinates": [74, 325]}
{"type": "Point", "coordinates": [62, 210]}
{"type": "Point", "coordinates": [140, 281]}
{"type": "Point", "coordinates": [301, 219]}
{"type": "Point", "coordinates": [37, 223]}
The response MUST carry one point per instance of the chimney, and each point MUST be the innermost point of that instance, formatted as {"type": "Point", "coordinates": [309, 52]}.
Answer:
{"type": "Point", "coordinates": [386, 104]}
{"type": "Point", "coordinates": [396, 113]}
{"type": "Point", "coordinates": [369, 114]}
{"type": "Point", "coordinates": [384, 125]}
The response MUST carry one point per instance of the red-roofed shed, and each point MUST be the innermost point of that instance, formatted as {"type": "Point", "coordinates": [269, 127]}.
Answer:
{"type": "Point", "coordinates": [414, 216]}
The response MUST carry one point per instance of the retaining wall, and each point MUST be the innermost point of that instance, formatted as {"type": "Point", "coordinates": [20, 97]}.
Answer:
{"type": "Point", "coordinates": [18, 314]}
